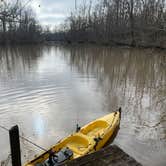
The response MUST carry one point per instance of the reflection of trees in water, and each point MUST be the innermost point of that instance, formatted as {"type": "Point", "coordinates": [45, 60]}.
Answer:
{"type": "Point", "coordinates": [18, 60]}
{"type": "Point", "coordinates": [131, 78]}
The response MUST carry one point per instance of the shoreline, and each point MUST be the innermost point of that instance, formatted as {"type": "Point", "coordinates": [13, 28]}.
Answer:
{"type": "Point", "coordinates": [65, 43]}
{"type": "Point", "coordinates": [111, 155]}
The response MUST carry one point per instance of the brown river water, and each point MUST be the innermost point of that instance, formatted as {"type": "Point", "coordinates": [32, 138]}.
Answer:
{"type": "Point", "coordinates": [47, 90]}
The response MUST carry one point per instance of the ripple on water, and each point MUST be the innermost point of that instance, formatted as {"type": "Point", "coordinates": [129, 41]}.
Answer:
{"type": "Point", "coordinates": [47, 90]}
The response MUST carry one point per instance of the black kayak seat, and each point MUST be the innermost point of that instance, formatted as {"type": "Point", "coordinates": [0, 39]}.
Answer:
{"type": "Point", "coordinates": [58, 158]}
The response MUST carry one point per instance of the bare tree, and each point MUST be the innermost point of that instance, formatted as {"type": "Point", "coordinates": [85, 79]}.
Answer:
{"type": "Point", "coordinates": [132, 22]}
{"type": "Point", "coordinates": [18, 23]}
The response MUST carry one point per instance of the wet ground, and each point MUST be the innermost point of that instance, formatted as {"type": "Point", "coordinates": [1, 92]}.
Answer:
{"type": "Point", "coordinates": [47, 90]}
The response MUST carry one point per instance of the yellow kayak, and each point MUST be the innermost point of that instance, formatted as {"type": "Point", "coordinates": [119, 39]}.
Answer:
{"type": "Point", "coordinates": [88, 139]}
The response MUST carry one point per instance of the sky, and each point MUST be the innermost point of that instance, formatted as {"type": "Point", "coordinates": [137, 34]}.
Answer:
{"type": "Point", "coordinates": [51, 12]}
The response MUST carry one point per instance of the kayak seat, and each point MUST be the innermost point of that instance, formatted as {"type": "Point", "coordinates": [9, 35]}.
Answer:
{"type": "Point", "coordinates": [95, 129]}
{"type": "Point", "coordinates": [77, 143]}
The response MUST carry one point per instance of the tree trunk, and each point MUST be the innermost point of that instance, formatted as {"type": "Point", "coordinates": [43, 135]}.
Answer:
{"type": "Point", "coordinates": [4, 25]}
{"type": "Point", "coordinates": [132, 23]}
{"type": "Point", "coordinates": [4, 30]}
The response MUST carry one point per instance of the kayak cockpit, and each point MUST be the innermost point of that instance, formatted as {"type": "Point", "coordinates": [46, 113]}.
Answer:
{"type": "Point", "coordinates": [78, 143]}
{"type": "Point", "coordinates": [57, 158]}
{"type": "Point", "coordinates": [95, 128]}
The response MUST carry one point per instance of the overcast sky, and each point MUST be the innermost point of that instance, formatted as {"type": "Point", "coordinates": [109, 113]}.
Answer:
{"type": "Point", "coordinates": [52, 12]}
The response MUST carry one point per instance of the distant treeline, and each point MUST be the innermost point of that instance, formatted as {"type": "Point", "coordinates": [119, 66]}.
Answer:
{"type": "Point", "coordinates": [131, 22]}
{"type": "Point", "coordinates": [18, 23]}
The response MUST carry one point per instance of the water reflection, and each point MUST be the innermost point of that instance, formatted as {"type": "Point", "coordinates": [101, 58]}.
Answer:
{"type": "Point", "coordinates": [41, 94]}
{"type": "Point", "coordinates": [135, 80]}
{"type": "Point", "coordinates": [47, 89]}
{"type": "Point", "coordinates": [16, 61]}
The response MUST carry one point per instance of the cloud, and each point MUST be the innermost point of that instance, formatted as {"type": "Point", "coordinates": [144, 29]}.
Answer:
{"type": "Point", "coordinates": [52, 12]}
{"type": "Point", "coordinates": [51, 20]}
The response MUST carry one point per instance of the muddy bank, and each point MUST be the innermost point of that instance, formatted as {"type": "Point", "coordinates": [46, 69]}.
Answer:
{"type": "Point", "coordinates": [109, 156]}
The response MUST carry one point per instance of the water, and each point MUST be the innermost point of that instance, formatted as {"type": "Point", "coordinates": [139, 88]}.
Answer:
{"type": "Point", "coordinates": [47, 90]}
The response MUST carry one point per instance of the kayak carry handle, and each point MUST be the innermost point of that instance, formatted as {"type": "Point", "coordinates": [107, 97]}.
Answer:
{"type": "Point", "coordinates": [120, 111]}
{"type": "Point", "coordinates": [97, 140]}
{"type": "Point", "coordinates": [78, 128]}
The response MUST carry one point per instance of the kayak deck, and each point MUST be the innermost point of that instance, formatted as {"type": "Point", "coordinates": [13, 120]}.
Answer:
{"type": "Point", "coordinates": [90, 138]}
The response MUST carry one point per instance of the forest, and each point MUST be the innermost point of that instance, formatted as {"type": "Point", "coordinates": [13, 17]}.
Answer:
{"type": "Point", "coordinates": [18, 24]}
{"type": "Point", "coordinates": [108, 22]}
{"type": "Point", "coordinates": [130, 22]}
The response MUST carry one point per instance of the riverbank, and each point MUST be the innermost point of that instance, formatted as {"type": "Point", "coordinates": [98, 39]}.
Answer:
{"type": "Point", "coordinates": [107, 44]}
{"type": "Point", "coordinates": [161, 46]}
{"type": "Point", "coordinates": [109, 156]}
